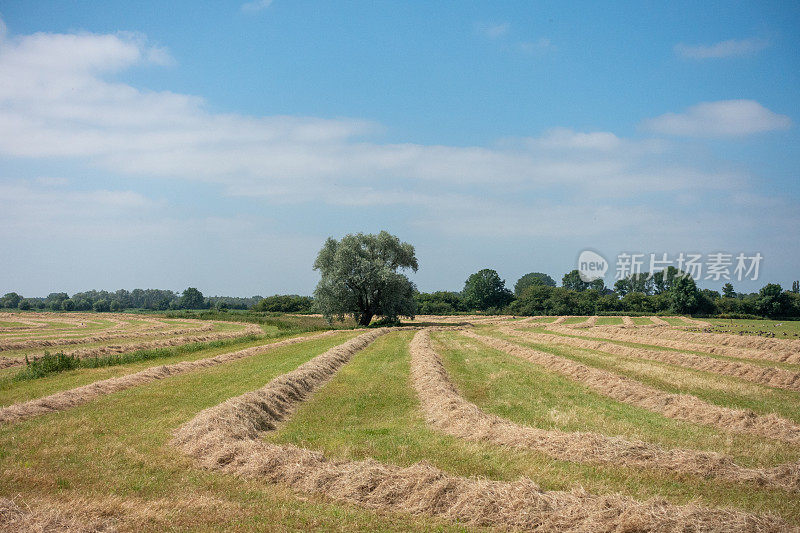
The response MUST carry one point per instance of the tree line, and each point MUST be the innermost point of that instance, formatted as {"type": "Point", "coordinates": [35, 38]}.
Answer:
{"type": "Point", "coordinates": [360, 277]}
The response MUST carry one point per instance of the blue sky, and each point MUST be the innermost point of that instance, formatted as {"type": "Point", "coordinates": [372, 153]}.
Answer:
{"type": "Point", "coordinates": [218, 144]}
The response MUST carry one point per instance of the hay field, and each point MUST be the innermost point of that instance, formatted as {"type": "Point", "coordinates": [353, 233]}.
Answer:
{"type": "Point", "coordinates": [447, 424]}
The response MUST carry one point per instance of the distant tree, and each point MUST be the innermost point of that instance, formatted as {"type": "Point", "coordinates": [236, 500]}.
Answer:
{"type": "Point", "coordinates": [24, 304]}
{"type": "Point", "coordinates": [117, 306]}
{"type": "Point", "coordinates": [532, 278]}
{"type": "Point", "coordinates": [727, 291]}
{"type": "Point", "coordinates": [191, 299]}
{"type": "Point", "coordinates": [82, 304]}
{"type": "Point", "coordinates": [796, 287]}
{"type": "Point", "coordinates": [598, 285]}
{"type": "Point", "coordinates": [484, 290]}
{"type": "Point", "coordinates": [360, 277]}
{"type": "Point", "coordinates": [101, 306]}
{"type": "Point", "coordinates": [622, 286]}
{"type": "Point", "coordinates": [534, 300]}
{"type": "Point", "coordinates": [572, 281]}
{"type": "Point", "coordinates": [684, 296]}
{"type": "Point", "coordinates": [10, 300]}
{"type": "Point", "coordinates": [68, 305]}
{"type": "Point", "coordinates": [772, 301]}
{"type": "Point", "coordinates": [664, 279]}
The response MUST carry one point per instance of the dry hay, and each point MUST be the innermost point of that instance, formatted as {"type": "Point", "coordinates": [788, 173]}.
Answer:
{"type": "Point", "coordinates": [84, 353]}
{"type": "Point", "coordinates": [659, 321]}
{"type": "Point", "coordinates": [80, 395]}
{"type": "Point", "coordinates": [559, 320]}
{"type": "Point", "coordinates": [64, 340]}
{"type": "Point", "coordinates": [773, 377]}
{"type": "Point", "coordinates": [45, 519]}
{"type": "Point", "coordinates": [628, 322]}
{"type": "Point", "coordinates": [153, 328]}
{"type": "Point", "coordinates": [789, 346]}
{"type": "Point", "coordinates": [227, 437]}
{"type": "Point", "coordinates": [447, 411]}
{"type": "Point", "coordinates": [670, 338]}
{"type": "Point", "coordinates": [695, 323]}
{"type": "Point", "coordinates": [677, 406]}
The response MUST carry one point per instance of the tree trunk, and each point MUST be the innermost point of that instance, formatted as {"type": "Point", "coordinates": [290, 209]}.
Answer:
{"type": "Point", "coordinates": [365, 319]}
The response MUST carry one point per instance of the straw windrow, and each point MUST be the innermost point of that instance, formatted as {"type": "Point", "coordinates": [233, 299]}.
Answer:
{"type": "Point", "coordinates": [763, 375]}
{"type": "Point", "coordinates": [447, 411]}
{"type": "Point", "coordinates": [677, 406]}
{"type": "Point", "coordinates": [80, 395]}
{"type": "Point", "coordinates": [226, 438]}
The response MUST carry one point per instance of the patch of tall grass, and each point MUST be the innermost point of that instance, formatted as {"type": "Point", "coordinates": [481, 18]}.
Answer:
{"type": "Point", "coordinates": [40, 367]}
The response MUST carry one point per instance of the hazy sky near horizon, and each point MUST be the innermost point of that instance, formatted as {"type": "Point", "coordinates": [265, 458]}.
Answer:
{"type": "Point", "coordinates": [216, 145]}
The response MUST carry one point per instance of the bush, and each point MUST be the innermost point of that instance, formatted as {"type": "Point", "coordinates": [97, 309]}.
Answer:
{"type": "Point", "coordinates": [47, 364]}
{"type": "Point", "coordinates": [285, 303]}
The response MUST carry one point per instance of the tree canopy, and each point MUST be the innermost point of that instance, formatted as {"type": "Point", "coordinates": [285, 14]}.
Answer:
{"type": "Point", "coordinates": [532, 278]}
{"type": "Point", "coordinates": [360, 277]}
{"type": "Point", "coordinates": [484, 290]}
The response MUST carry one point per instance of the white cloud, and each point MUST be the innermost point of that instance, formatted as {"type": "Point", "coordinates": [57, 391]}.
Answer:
{"type": "Point", "coordinates": [494, 31]}
{"type": "Point", "coordinates": [726, 118]}
{"type": "Point", "coordinates": [256, 5]}
{"type": "Point", "coordinates": [56, 101]}
{"type": "Point", "coordinates": [724, 49]}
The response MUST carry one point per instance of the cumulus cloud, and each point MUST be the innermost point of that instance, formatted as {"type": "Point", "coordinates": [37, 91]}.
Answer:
{"type": "Point", "coordinates": [726, 118]}
{"type": "Point", "coordinates": [724, 49]}
{"type": "Point", "coordinates": [57, 100]}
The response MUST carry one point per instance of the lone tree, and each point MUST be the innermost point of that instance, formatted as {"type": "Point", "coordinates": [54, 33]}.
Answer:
{"type": "Point", "coordinates": [360, 278]}
{"type": "Point", "coordinates": [484, 290]}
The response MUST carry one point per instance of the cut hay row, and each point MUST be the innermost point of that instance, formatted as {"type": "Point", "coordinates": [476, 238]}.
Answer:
{"type": "Point", "coordinates": [61, 401]}
{"type": "Point", "coordinates": [763, 375]}
{"type": "Point", "coordinates": [659, 321]}
{"type": "Point", "coordinates": [227, 438]}
{"type": "Point", "coordinates": [559, 320]}
{"type": "Point", "coordinates": [447, 411]}
{"type": "Point", "coordinates": [789, 346]}
{"type": "Point", "coordinates": [85, 353]}
{"type": "Point", "coordinates": [65, 340]}
{"type": "Point", "coordinates": [665, 339]}
{"type": "Point", "coordinates": [628, 322]}
{"type": "Point", "coordinates": [678, 406]}
{"type": "Point", "coordinates": [78, 329]}
{"type": "Point", "coordinates": [696, 323]}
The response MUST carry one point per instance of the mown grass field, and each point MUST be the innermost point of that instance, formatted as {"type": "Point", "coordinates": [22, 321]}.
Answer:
{"type": "Point", "coordinates": [110, 461]}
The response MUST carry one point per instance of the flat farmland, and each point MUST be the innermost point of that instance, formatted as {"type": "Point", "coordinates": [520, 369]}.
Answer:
{"type": "Point", "coordinates": [447, 423]}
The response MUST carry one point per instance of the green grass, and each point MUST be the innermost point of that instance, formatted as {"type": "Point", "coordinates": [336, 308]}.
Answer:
{"type": "Point", "coordinates": [575, 320]}
{"type": "Point", "coordinates": [370, 410]}
{"type": "Point", "coordinates": [783, 329]}
{"type": "Point", "coordinates": [641, 320]}
{"type": "Point", "coordinates": [113, 452]}
{"type": "Point", "coordinates": [709, 386]}
{"type": "Point", "coordinates": [115, 449]}
{"type": "Point", "coordinates": [12, 390]}
{"type": "Point", "coordinates": [609, 321]}
{"type": "Point", "coordinates": [37, 368]}
{"type": "Point", "coordinates": [586, 334]}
